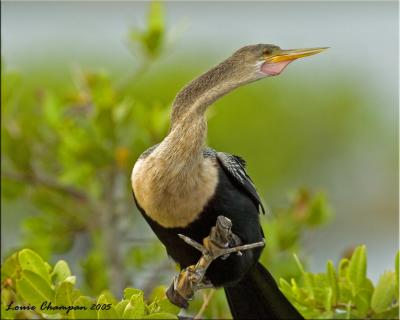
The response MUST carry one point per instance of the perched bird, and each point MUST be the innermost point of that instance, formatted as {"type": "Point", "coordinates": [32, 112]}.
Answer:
{"type": "Point", "coordinates": [181, 187]}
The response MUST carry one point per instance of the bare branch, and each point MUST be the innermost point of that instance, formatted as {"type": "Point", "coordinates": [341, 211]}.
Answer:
{"type": "Point", "coordinates": [217, 245]}
{"type": "Point", "coordinates": [206, 302]}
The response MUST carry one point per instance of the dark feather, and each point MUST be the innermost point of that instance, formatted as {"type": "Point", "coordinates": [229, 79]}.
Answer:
{"type": "Point", "coordinates": [234, 166]}
{"type": "Point", "coordinates": [257, 296]}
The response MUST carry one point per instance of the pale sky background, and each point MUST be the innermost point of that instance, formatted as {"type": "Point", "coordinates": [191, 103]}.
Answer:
{"type": "Point", "coordinates": [362, 34]}
{"type": "Point", "coordinates": [363, 37]}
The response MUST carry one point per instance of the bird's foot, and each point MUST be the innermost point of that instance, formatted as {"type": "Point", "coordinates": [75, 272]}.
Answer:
{"type": "Point", "coordinates": [185, 284]}
{"type": "Point", "coordinates": [219, 244]}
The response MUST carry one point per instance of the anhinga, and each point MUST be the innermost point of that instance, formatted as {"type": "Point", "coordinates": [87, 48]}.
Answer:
{"type": "Point", "coordinates": [189, 193]}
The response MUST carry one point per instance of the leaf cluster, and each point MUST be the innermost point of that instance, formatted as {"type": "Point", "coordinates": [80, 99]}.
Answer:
{"type": "Point", "coordinates": [27, 280]}
{"type": "Point", "coordinates": [344, 292]}
{"type": "Point", "coordinates": [151, 39]}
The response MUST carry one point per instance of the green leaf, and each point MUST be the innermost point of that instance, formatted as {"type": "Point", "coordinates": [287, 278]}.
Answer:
{"type": "Point", "coordinates": [71, 279]}
{"type": "Point", "coordinates": [363, 299]}
{"type": "Point", "coordinates": [165, 306]}
{"type": "Point", "coordinates": [327, 299]}
{"type": "Point", "coordinates": [345, 291]}
{"type": "Point", "coordinates": [151, 40]}
{"type": "Point", "coordinates": [48, 267]}
{"type": "Point", "coordinates": [357, 272]}
{"type": "Point", "coordinates": [34, 289]}
{"type": "Point", "coordinates": [85, 302]}
{"type": "Point", "coordinates": [61, 271]}
{"type": "Point", "coordinates": [343, 267]}
{"type": "Point", "coordinates": [109, 296]}
{"type": "Point", "coordinates": [285, 287]}
{"type": "Point", "coordinates": [129, 292]}
{"type": "Point", "coordinates": [154, 36]}
{"type": "Point", "coordinates": [120, 307]}
{"type": "Point", "coordinates": [156, 16]}
{"type": "Point", "coordinates": [158, 293]}
{"type": "Point", "coordinates": [298, 293]}
{"type": "Point", "coordinates": [31, 261]}
{"type": "Point", "coordinates": [65, 296]}
{"type": "Point", "coordinates": [10, 268]}
{"type": "Point", "coordinates": [384, 293]}
{"type": "Point", "coordinates": [319, 211]}
{"type": "Point", "coordinates": [135, 309]}
{"type": "Point", "coordinates": [106, 314]}
{"type": "Point", "coordinates": [333, 282]}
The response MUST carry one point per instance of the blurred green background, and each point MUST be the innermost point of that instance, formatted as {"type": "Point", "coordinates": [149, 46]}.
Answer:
{"type": "Point", "coordinates": [86, 87]}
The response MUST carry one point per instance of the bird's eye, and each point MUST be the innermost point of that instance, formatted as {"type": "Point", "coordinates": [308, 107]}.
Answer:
{"type": "Point", "coordinates": [266, 52]}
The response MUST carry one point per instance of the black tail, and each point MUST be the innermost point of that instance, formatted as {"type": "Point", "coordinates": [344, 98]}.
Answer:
{"type": "Point", "coordinates": [257, 296]}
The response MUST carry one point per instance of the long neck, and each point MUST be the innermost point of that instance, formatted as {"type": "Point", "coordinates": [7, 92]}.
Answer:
{"type": "Point", "coordinates": [200, 93]}
{"type": "Point", "coordinates": [188, 128]}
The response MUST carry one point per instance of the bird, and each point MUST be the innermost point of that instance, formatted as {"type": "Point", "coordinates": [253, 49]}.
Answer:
{"type": "Point", "coordinates": [183, 187]}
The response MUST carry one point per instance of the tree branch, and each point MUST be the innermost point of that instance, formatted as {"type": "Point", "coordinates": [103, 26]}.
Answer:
{"type": "Point", "coordinates": [206, 302]}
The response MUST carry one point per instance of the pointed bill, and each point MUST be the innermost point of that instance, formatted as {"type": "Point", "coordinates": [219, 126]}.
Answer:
{"type": "Point", "coordinates": [289, 55]}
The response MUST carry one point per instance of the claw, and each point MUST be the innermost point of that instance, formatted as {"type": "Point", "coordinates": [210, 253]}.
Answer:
{"type": "Point", "coordinates": [219, 244]}
{"type": "Point", "coordinates": [176, 298]}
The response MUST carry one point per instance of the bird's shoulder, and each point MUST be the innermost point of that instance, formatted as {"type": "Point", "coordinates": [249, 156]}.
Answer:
{"type": "Point", "coordinates": [235, 167]}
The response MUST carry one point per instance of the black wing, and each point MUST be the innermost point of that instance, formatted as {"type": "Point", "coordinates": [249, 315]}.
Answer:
{"type": "Point", "coordinates": [234, 166]}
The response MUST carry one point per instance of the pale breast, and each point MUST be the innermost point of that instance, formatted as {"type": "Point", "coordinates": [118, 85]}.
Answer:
{"type": "Point", "coordinates": [173, 196]}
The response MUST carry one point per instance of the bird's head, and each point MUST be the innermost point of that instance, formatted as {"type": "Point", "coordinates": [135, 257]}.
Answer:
{"type": "Point", "coordinates": [262, 60]}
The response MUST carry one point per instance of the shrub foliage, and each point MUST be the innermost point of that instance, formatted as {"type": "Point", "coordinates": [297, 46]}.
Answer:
{"type": "Point", "coordinates": [32, 287]}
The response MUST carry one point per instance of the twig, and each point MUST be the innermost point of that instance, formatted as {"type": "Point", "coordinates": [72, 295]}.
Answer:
{"type": "Point", "coordinates": [46, 182]}
{"type": "Point", "coordinates": [206, 302]}
{"type": "Point", "coordinates": [237, 249]}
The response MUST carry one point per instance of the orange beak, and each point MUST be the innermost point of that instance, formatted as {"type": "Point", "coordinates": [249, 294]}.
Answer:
{"type": "Point", "coordinates": [288, 55]}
